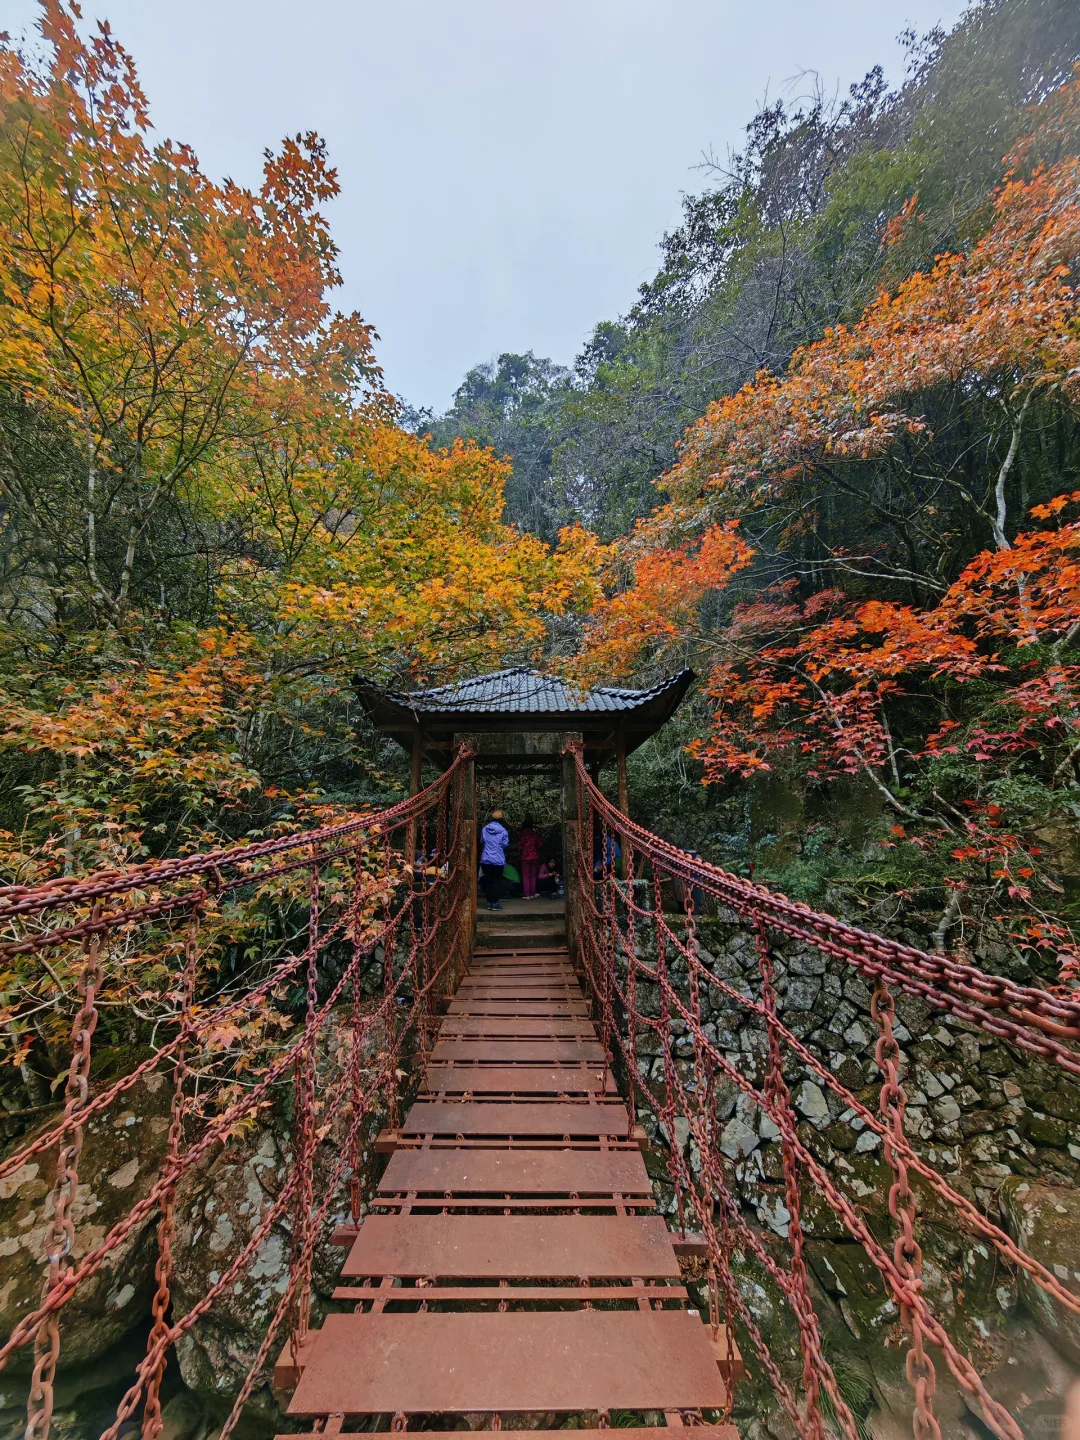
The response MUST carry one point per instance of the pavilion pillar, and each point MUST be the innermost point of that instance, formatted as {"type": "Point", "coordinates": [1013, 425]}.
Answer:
{"type": "Point", "coordinates": [417, 762]}
{"type": "Point", "coordinates": [620, 760]}
{"type": "Point", "coordinates": [466, 857]}
{"type": "Point", "coordinates": [572, 843]}
{"type": "Point", "coordinates": [415, 773]}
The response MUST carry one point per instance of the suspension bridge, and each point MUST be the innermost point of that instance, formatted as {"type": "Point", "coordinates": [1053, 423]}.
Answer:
{"type": "Point", "coordinates": [511, 1263]}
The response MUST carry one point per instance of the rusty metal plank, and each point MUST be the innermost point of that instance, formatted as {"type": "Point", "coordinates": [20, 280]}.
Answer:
{"type": "Point", "coordinates": [520, 1360]}
{"type": "Point", "coordinates": [517, 1172]}
{"type": "Point", "coordinates": [387, 1141]}
{"type": "Point", "coordinates": [520, 990]}
{"type": "Point", "coordinates": [528, 1026]}
{"type": "Point", "coordinates": [289, 1366]}
{"type": "Point", "coordinates": [419, 1294]}
{"type": "Point", "coordinates": [491, 1027]}
{"type": "Point", "coordinates": [693, 1246]}
{"type": "Point", "coordinates": [642, 1432]}
{"type": "Point", "coordinates": [511, 1005]}
{"type": "Point", "coordinates": [502, 978]}
{"type": "Point", "coordinates": [526, 972]}
{"type": "Point", "coordinates": [493, 959]}
{"type": "Point", "coordinates": [514, 1205]}
{"type": "Point", "coordinates": [525, 1247]}
{"type": "Point", "coordinates": [512, 982]}
{"type": "Point", "coordinates": [527, 954]}
{"type": "Point", "coordinates": [514, 972]}
{"type": "Point", "coordinates": [524, 966]}
{"type": "Point", "coordinates": [518, 994]}
{"type": "Point", "coordinates": [563, 974]}
{"type": "Point", "coordinates": [495, 939]}
{"type": "Point", "coordinates": [555, 1052]}
{"type": "Point", "coordinates": [541, 978]}
{"type": "Point", "coordinates": [554, 1008]}
{"type": "Point", "coordinates": [495, 1118]}
{"type": "Point", "coordinates": [518, 1080]}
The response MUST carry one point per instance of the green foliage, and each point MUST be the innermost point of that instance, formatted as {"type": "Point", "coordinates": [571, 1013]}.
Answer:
{"type": "Point", "coordinates": [513, 405]}
{"type": "Point", "coordinates": [786, 242]}
{"type": "Point", "coordinates": [827, 206]}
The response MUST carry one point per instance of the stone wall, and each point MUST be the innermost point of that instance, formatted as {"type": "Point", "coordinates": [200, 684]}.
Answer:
{"type": "Point", "coordinates": [1002, 1127]}
{"type": "Point", "coordinates": [218, 1207]}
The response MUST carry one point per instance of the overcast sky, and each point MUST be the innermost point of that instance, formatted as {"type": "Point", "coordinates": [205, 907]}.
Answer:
{"type": "Point", "coordinates": [507, 166]}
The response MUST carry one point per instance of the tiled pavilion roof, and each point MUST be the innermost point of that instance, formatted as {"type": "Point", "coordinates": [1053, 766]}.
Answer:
{"type": "Point", "coordinates": [523, 700]}
{"type": "Point", "coordinates": [519, 691]}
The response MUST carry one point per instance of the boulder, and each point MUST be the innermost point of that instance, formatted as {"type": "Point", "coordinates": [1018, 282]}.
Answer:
{"type": "Point", "coordinates": [217, 1211]}
{"type": "Point", "coordinates": [1044, 1220]}
{"type": "Point", "coordinates": [122, 1151]}
{"type": "Point", "coordinates": [220, 1207]}
{"type": "Point", "coordinates": [810, 1102]}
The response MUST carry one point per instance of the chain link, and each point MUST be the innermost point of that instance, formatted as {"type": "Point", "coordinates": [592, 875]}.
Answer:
{"type": "Point", "coordinates": [815, 1371]}
{"type": "Point", "coordinates": [907, 1253]}
{"type": "Point", "coordinates": [304, 1129]}
{"type": "Point", "coordinates": [39, 1408]}
{"type": "Point", "coordinates": [704, 1191]}
{"type": "Point", "coordinates": [152, 1421]}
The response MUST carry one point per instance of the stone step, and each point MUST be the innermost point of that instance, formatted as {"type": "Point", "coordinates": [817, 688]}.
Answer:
{"type": "Point", "coordinates": [506, 937]}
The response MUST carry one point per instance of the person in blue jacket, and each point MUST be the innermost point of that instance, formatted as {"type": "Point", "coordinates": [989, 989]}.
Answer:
{"type": "Point", "coordinates": [494, 838]}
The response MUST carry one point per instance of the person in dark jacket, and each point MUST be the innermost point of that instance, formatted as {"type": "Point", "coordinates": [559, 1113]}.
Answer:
{"type": "Point", "coordinates": [529, 845]}
{"type": "Point", "coordinates": [690, 896]}
{"type": "Point", "coordinates": [606, 854]}
{"type": "Point", "coordinates": [494, 838]}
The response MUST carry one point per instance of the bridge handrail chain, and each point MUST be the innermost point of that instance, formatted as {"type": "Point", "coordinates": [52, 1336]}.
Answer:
{"type": "Point", "coordinates": [18, 900]}
{"type": "Point", "coordinates": [371, 916]}
{"type": "Point", "coordinates": [615, 969]}
{"type": "Point", "coordinates": [192, 901]}
{"type": "Point", "coordinates": [970, 1214]}
{"type": "Point", "coordinates": [1056, 1015]}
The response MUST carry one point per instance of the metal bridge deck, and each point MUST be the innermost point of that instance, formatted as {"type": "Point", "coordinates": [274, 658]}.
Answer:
{"type": "Point", "coordinates": [515, 1196]}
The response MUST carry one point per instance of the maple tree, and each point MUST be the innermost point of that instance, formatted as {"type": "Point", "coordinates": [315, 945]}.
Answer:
{"type": "Point", "coordinates": [209, 495]}
{"type": "Point", "coordinates": [939, 663]}
{"type": "Point", "coordinates": [155, 315]}
{"type": "Point", "coordinates": [213, 520]}
{"type": "Point", "coordinates": [994, 330]}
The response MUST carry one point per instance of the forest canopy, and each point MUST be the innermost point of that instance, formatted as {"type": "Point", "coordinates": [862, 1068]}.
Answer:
{"type": "Point", "coordinates": [829, 457]}
{"type": "Point", "coordinates": [212, 517]}
{"type": "Point", "coordinates": [835, 445]}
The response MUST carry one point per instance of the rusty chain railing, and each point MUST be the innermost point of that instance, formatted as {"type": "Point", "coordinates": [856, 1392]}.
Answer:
{"type": "Point", "coordinates": [364, 890]}
{"type": "Point", "coordinates": [635, 920]}
{"type": "Point", "coordinates": [360, 887]}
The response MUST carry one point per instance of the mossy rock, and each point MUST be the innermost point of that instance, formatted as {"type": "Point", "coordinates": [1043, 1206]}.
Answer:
{"type": "Point", "coordinates": [1045, 1221]}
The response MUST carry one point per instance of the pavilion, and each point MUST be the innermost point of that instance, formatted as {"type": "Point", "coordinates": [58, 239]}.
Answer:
{"type": "Point", "coordinates": [519, 720]}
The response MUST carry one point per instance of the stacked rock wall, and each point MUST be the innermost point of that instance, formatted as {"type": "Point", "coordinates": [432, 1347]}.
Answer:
{"type": "Point", "coordinates": [1002, 1127]}
{"type": "Point", "coordinates": [219, 1206]}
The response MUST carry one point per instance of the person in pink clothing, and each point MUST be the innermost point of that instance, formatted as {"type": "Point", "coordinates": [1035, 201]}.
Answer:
{"type": "Point", "coordinates": [529, 848]}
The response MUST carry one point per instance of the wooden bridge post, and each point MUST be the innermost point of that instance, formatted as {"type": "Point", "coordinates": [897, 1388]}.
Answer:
{"type": "Point", "coordinates": [571, 844]}
{"type": "Point", "coordinates": [620, 760]}
{"type": "Point", "coordinates": [415, 775]}
{"type": "Point", "coordinates": [467, 858]}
